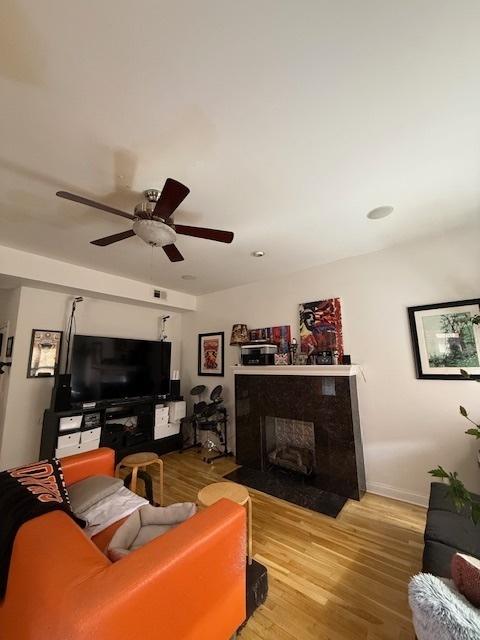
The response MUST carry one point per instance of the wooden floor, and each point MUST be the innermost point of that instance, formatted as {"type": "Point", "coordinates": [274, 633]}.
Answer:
{"type": "Point", "coordinates": [335, 579]}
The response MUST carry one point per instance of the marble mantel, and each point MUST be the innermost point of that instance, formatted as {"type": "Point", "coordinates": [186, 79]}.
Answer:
{"type": "Point", "coordinates": [298, 370]}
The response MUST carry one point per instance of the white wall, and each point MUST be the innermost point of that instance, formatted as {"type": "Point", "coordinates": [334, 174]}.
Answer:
{"type": "Point", "coordinates": [9, 303]}
{"type": "Point", "coordinates": [409, 426]}
{"type": "Point", "coordinates": [33, 268]}
{"type": "Point", "coordinates": [41, 309]}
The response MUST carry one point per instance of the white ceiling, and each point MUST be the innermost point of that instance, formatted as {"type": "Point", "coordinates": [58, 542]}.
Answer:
{"type": "Point", "coordinates": [288, 119]}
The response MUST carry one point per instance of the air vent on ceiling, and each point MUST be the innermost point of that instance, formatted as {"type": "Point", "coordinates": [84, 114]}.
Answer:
{"type": "Point", "coordinates": [158, 293]}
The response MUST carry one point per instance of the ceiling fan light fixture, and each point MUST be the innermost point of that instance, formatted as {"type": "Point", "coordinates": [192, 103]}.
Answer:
{"type": "Point", "coordinates": [154, 232]}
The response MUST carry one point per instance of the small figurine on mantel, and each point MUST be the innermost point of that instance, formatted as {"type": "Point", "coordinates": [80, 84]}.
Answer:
{"type": "Point", "coordinates": [292, 347]}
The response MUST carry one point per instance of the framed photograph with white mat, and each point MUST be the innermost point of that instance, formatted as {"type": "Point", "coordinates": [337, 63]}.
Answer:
{"type": "Point", "coordinates": [211, 354]}
{"type": "Point", "coordinates": [446, 339]}
{"type": "Point", "coordinates": [45, 350]}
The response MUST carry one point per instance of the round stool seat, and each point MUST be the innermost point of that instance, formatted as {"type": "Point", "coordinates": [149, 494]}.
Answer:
{"type": "Point", "coordinates": [214, 492]}
{"type": "Point", "coordinates": [135, 462]}
{"type": "Point", "coordinates": [139, 459]}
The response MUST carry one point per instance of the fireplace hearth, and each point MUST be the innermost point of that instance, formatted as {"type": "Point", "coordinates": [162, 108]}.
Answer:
{"type": "Point", "coordinates": [298, 436]}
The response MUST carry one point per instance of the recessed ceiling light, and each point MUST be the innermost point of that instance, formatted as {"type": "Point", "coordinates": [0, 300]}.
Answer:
{"type": "Point", "coordinates": [258, 254]}
{"type": "Point", "coordinates": [379, 212]}
{"type": "Point", "coordinates": [188, 277]}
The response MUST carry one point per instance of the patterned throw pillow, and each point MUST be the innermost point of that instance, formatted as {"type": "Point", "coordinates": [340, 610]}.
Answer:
{"type": "Point", "coordinates": [466, 576]}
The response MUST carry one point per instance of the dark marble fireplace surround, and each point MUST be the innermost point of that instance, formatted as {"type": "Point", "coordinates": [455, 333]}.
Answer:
{"type": "Point", "coordinates": [326, 405]}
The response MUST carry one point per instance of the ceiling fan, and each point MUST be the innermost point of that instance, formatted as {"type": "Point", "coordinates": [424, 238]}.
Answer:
{"type": "Point", "coordinates": [151, 220]}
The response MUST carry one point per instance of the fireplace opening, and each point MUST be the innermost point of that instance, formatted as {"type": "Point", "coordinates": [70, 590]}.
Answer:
{"type": "Point", "coordinates": [289, 445]}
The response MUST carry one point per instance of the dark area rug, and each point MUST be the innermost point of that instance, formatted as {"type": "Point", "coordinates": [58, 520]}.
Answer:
{"type": "Point", "coordinates": [289, 487]}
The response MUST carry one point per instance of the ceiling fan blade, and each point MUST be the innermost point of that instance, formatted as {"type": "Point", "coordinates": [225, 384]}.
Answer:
{"type": "Point", "coordinates": [173, 193]}
{"type": "Point", "coordinates": [203, 232]}
{"type": "Point", "coordinates": [173, 253]}
{"type": "Point", "coordinates": [104, 242]}
{"type": "Point", "coordinates": [92, 203]}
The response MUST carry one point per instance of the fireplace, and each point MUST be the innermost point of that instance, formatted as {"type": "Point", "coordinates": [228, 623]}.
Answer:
{"type": "Point", "coordinates": [289, 445]}
{"type": "Point", "coordinates": [298, 434]}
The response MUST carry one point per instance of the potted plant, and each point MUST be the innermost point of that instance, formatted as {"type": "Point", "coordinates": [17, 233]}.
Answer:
{"type": "Point", "coordinates": [461, 497]}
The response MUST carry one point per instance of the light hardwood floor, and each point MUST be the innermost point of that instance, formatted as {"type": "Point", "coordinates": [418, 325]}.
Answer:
{"type": "Point", "coordinates": [335, 579]}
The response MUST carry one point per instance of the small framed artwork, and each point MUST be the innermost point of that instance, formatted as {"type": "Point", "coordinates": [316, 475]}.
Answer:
{"type": "Point", "coordinates": [211, 354]}
{"type": "Point", "coordinates": [9, 349]}
{"type": "Point", "coordinates": [45, 351]}
{"type": "Point", "coordinates": [446, 338]}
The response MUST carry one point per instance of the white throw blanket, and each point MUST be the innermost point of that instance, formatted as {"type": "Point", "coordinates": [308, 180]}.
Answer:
{"type": "Point", "coordinates": [111, 509]}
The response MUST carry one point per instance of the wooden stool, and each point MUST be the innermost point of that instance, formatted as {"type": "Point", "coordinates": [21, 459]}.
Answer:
{"type": "Point", "coordinates": [137, 461]}
{"type": "Point", "coordinates": [234, 492]}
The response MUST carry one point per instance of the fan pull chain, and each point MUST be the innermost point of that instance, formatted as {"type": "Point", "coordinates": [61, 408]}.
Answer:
{"type": "Point", "coordinates": [151, 263]}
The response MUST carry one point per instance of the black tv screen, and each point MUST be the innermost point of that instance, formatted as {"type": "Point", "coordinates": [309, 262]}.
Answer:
{"type": "Point", "coordinates": [118, 368]}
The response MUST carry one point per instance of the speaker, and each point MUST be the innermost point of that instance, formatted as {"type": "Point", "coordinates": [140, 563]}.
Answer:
{"type": "Point", "coordinates": [175, 389]}
{"type": "Point", "coordinates": [62, 393]}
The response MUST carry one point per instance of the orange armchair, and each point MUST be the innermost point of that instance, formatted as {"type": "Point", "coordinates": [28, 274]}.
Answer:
{"type": "Point", "coordinates": [189, 584]}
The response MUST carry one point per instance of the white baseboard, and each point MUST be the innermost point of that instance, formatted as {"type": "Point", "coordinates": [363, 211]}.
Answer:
{"type": "Point", "coordinates": [388, 491]}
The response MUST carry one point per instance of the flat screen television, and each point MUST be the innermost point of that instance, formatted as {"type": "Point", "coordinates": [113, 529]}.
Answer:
{"type": "Point", "coordinates": [118, 368]}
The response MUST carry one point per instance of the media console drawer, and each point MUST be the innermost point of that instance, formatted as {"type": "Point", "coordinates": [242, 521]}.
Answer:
{"type": "Point", "coordinates": [90, 435]}
{"type": "Point", "coordinates": [79, 448]}
{"type": "Point", "coordinates": [68, 440]}
{"type": "Point", "coordinates": [68, 423]}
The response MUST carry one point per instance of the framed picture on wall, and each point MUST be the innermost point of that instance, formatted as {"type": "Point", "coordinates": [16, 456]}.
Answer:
{"type": "Point", "coordinates": [45, 350]}
{"type": "Point", "coordinates": [211, 354]}
{"type": "Point", "coordinates": [446, 338]}
{"type": "Point", "coordinates": [9, 349]}
{"type": "Point", "coordinates": [321, 327]}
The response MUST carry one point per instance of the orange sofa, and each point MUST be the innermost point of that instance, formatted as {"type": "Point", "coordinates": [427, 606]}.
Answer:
{"type": "Point", "coordinates": [189, 584]}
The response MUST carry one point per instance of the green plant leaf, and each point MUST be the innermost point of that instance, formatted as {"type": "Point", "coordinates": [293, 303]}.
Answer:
{"type": "Point", "coordinates": [439, 472]}
{"type": "Point", "coordinates": [475, 512]}
{"type": "Point", "coordinates": [464, 373]}
{"type": "Point", "coordinates": [463, 411]}
{"type": "Point", "coordinates": [473, 432]}
{"type": "Point", "coordinates": [458, 493]}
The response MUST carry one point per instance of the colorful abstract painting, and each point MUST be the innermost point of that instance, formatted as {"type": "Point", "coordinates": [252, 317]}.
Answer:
{"type": "Point", "coordinates": [321, 326]}
{"type": "Point", "coordinates": [280, 336]}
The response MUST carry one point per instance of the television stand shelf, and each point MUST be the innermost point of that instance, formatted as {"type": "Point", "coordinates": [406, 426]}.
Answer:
{"type": "Point", "coordinates": [83, 429]}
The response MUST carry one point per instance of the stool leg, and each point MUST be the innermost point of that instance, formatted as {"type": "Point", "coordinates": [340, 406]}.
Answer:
{"type": "Point", "coordinates": [249, 516]}
{"type": "Point", "coordinates": [160, 469]}
{"type": "Point", "coordinates": [147, 482]}
{"type": "Point", "coordinates": [133, 483]}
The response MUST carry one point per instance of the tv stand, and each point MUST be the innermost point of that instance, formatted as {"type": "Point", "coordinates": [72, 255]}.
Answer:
{"type": "Point", "coordinates": [82, 429]}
